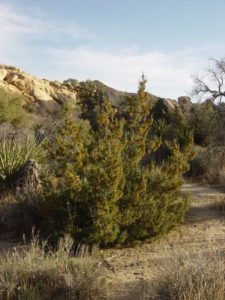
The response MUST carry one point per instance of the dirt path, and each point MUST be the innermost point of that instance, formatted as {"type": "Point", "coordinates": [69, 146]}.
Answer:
{"type": "Point", "coordinates": [204, 226]}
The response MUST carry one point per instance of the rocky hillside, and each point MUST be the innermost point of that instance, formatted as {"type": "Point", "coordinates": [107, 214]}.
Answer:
{"type": "Point", "coordinates": [50, 94]}
{"type": "Point", "coordinates": [34, 89]}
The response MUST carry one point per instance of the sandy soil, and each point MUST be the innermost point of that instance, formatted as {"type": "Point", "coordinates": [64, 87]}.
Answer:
{"type": "Point", "coordinates": [204, 226]}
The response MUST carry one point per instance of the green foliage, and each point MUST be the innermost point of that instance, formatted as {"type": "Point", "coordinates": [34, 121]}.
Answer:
{"type": "Point", "coordinates": [90, 96]}
{"type": "Point", "coordinates": [101, 192]}
{"type": "Point", "coordinates": [12, 110]}
{"type": "Point", "coordinates": [13, 155]}
{"type": "Point", "coordinates": [169, 125]}
{"type": "Point", "coordinates": [150, 204]}
{"type": "Point", "coordinates": [160, 111]}
{"type": "Point", "coordinates": [88, 90]}
{"type": "Point", "coordinates": [94, 93]}
{"type": "Point", "coordinates": [90, 180]}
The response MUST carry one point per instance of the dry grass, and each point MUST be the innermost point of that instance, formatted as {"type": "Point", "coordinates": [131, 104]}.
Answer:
{"type": "Point", "coordinates": [34, 273]}
{"type": "Point", "coordinates": [188, 276]}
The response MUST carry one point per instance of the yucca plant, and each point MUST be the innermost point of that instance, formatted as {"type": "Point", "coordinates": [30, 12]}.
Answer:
{"type": "Point", "coordinates": [13, 155]}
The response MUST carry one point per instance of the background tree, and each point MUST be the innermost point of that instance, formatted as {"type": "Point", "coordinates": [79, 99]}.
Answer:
{"type": "Point", "coordinates": [208, 117]}
{"type": "Point", "coordinates": [212, 86]}
{"type": "Point", "coordinates": [90, 96]}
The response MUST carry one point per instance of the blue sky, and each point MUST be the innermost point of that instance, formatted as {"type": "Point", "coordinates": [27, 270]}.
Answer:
{"type": "Point", "coordinates": [114, 41]}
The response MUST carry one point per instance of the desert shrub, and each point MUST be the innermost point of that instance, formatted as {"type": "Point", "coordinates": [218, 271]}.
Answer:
{"type": "Point", "coordinates": [100, 193]}
{"type": "Point", "coordinates": [12, 110]}
{"type": "Point", "coordinates": [188, 276]}
{"type": "Point", "coordinates": [36, 272]}
{"type": "Point", "coordinates": [90, 96]}
{"type": "Point", "coordinates": [202, 119]}
{"type": "Point", "coordinates": [13, 155]}
{"type": "Point", "coordinates": [169, 125]}
{"type": "Point", "coordinates": [89, 178]}
{"type": "Point", "coordinates": [160, 111]}
{"type": "Point", "coordinates": [150, 204]}
{"type": "Point", "coordinates": [209, 165]}
{"type": "Point", "coordinates": [207, 121]}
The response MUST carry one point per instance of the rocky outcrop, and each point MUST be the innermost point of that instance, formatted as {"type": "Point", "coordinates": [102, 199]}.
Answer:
{"type": "Point", "coordinates": [34, 89]}
{"type": "Point", "coordinates": [185, 104]}
{"type": "Point", "coordinates": [170, 103]}
{"type": "Point", "coordinates": [49, 94]}
{"type": "Point", "coordinates": [184, 100]}
{"type": "Point", "coordinates": [3, 73]}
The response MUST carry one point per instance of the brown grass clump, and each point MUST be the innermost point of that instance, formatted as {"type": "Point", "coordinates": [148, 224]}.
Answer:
{"type": "Point", "coordinates": [34, 273]}
{"type": "Point", "coordinates": [188, 276]}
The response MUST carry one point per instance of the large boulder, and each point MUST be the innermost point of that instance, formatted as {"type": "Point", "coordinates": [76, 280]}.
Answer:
{"type": "Point", "coordinates": [8, 87]}
{"type": "Point", "coordinates": [11, 78]}
{"type": "Point", "coordinates": [40, 94]}
{"type": "Point", "coordinates": [55, 84]}
{"type": "Point", "coordinates": [3, 74]}
{"type": "Point", "coordinates": [170, 103]}
{"type": "Point", "coordinates": [20, 84]}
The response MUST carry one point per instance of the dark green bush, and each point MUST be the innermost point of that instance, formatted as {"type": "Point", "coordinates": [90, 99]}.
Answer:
{"type": "Point", "coordinates": [100, 193]}
{"type": "Point", "coordinates": [169, 124]}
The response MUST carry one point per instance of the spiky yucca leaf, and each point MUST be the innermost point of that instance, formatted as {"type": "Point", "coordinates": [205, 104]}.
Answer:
{"type": "Point", "coordinates": [14, 154]}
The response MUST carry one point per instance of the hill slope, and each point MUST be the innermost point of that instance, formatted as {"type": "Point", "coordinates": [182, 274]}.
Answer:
{"type": "Point", "coordinates": [46, 96]}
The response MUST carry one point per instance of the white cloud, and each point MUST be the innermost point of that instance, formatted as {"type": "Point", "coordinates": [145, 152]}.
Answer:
{"type": "Point", "coordinates": [169, 74]}
{"type": "Point", "coordinates": [14, 21]}
{"type": "Point", "coordinates": [20, 29]}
